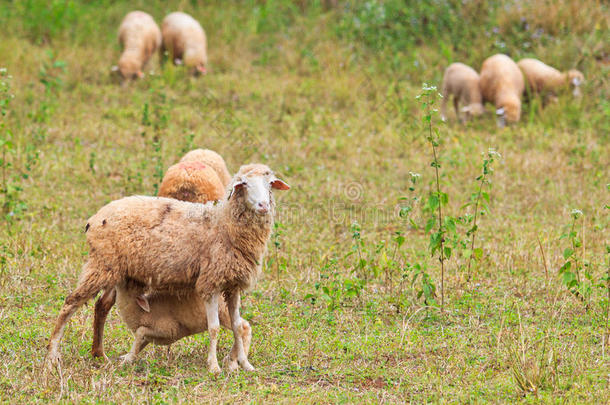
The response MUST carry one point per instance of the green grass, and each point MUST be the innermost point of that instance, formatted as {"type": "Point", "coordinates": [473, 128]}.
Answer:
{"type": "Point", "coordinates": [331, 107]}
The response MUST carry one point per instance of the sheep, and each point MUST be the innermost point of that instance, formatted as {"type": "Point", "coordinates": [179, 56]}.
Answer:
{"type": "Point", "coordinates": [462, 82]}
{"type": "Point", "coordinates": [542, 78]}
{"type": "Point", "coordinates": [140, 38]}
{"type": "Point", "coordinates": [185, 40]}
{"type": "Point", "coordinates": [210, 158]}
{"type": "Point", "coordinates": [173, 246]}
{"type": "Point", "coordinates": [187, 181]}
{"type": "Point", "coordinates": [502, 84]}
{"type": "Point", "coordinates": [191, 181]}
{"type": "Point", "coordinates": [166, 318]}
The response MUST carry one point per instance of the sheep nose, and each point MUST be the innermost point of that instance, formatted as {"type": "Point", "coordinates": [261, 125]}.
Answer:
{"type": "Point", "coordinates": [262, 207]}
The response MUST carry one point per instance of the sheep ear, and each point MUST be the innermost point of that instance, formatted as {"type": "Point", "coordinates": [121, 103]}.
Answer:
{"type": "Point", "coordinates": [279, 184]}
{"type": "Point", "coordinates": [143, 302]}
{"type": "Point", "coordinates": [202, 70]}
{"type": "Point", "coordinates": [239, 183]}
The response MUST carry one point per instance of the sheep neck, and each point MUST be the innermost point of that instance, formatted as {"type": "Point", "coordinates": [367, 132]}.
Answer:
{"type": "Point", "coordinates": [247, 231]}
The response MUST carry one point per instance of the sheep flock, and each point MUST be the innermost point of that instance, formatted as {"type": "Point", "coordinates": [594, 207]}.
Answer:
{"type": "Point", "coordinates": [176, 264]}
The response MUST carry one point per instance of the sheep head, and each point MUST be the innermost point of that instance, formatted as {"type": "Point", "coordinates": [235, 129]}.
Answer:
{"type": "Point", "coordinates": [576, 78]}
{"type": "Point", "coordinates": [254, 184]}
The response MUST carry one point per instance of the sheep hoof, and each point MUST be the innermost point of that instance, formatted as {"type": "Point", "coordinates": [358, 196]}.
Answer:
{"type": "Point", "coordinates": [52, 360]}
{"type": "Point", "coordinates": [232, 366]}
{"type": "Point", "coordinates": [247, 366]}
{"type": "Point", "coordinates": [214, 369]}
{"type": "Point", "coordinates": [127, 358]}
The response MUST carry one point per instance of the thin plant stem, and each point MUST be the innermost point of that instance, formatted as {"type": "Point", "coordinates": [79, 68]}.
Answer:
{"type": "Point", "coordinates": [440, 213]}
{"type": "Point", "coordinates": [474, 224]}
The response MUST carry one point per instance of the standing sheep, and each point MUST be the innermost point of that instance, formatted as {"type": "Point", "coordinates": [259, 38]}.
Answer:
{"type": "Point", "coordinates": [502, 84]}
{"type": "Point", "coordinates": [462, 82]}
{"type": "Point", "coordinates": [140, 38]}
{"type": "Point", "coordinates": [544, 79]}
{"type": "Point", "coordinates": [185, 40]}
{"type": "Point", "coordinates": [186, 181]}
{"type": "Point", "coordinates": [171, 246]}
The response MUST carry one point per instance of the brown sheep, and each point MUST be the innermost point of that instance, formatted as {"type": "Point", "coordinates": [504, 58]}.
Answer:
{"type": "Point", "coordinates": [166, 318]}
{"type": "Point", "coordinates": [185, 40]}
{"type": "Point", "coordinates": [502, 84]}
{"type": "Point", "coordinates": [210, 158]}
{"type": "Point", "coordinates": [140, 38]}
{"type": "Point", "coordinates": [186, 181]}
{"type": "Point", "coordinates": [171, 246]}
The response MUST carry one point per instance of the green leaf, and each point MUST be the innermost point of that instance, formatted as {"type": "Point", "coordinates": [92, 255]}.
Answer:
{"type": "Point", "coordinates": [466, 253]}
{"type": "Point", "coordinates": [567, 253]}
{"type": "Point", "coordinates": [478, 253]}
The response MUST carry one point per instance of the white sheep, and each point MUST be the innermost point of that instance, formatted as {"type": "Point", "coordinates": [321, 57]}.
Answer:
{"type": "Point", "coordinates": [502, 83]}
{"type": "Point", "coordinates": [185, 40]}
{"type": "Point", "coordinates": [544, 79]}
{"type": "Point", "coordinates": [462, 83]}
{"type": "Point", "coordinates": [140, 38]}
{"type": "Point", "coordinates": [210, 158]}
{"type": "Point", "coordinates": [171, 246]}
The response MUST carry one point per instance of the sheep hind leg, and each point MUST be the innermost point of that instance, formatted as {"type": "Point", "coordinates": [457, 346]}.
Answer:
{"type": "Point", "coordinates": [246, 336]}
{"type": "Point", "coordinates": [237, 323]}
{"type": "Point", "coordinates": [102, 308]}
{"type": "Point", "coordinates": [211, 308]}
{"type": "Point", "coordinates": [89, 285]}
{"type": "Point", "coordinates": [140, 341]}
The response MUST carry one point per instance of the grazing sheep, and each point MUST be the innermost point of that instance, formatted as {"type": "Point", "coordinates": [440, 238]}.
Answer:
{"type": "Point", "coordinates": [140, 38]}
{"type": "Point", "coordinates": [210, 158]}
{"type": "Point", "coordinates": [192, 181]}
{"type": "Point", "coordinates": [542, 78]}
{"type": "Point", "coordinates": [462, 82]}
{"type": "Point", "coordinates": [166, 318]}
{"type": "Point", "coordinates": [185, 40]}
{"type": "Point", "coordinates": [171, 246]}
{"type": "Point", "coordinates": [186, 181]}
{"type": "Point", "coordinates": [502, 84]}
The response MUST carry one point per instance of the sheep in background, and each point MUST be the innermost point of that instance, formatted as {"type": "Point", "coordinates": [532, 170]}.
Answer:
{"type": "Point", "coordinates": [544, 79]}
{"type": "Point", "coordinates": [185, 41]}
{"type": "Point", "coordinates": [210, 158]}
{"type": "Point", "coordinates": [192, 181]}
{"type": "Point", "coordinates": [502, 83]}
{"type": "Point", "coordinates": [462, 82]}
{"type": "Point", "coordinates": [140, 38]}
{"type": "Point", "coordinates": [171, 246]}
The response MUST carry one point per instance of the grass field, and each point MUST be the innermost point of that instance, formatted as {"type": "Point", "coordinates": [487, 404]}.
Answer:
{"type": "Point", "coordinates": [352, 306]}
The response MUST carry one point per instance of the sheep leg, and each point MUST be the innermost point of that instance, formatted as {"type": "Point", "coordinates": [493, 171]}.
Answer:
{"type": "Point", "coordinates": [139, 343]}
{"type": "Point", "coordinates": [89, 285]}
{"type": "Point", "coordinates": [233, 303]}
{"type": "Point", "coordinates": [246, 336]}
{"type": "Point", "coordinates": [444, 106]}
{"type": "Point", "coordinates": [102, 308]}
{"type": "Point", "coordinates": [211, 308]}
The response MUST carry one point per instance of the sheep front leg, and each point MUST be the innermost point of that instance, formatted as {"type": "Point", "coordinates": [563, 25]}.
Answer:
{"type": "Point", "coordinates": [211, 308]}
{"type": "Point", "coordinates": [139, 342]}
{"type": "Point", "coordinates": [237, 324]}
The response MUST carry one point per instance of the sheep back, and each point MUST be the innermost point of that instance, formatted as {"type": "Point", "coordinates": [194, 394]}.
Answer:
{"type": "Point", "coordinates": [212, 159]}
{"type": "Point", "coordinates": [192, 181]}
